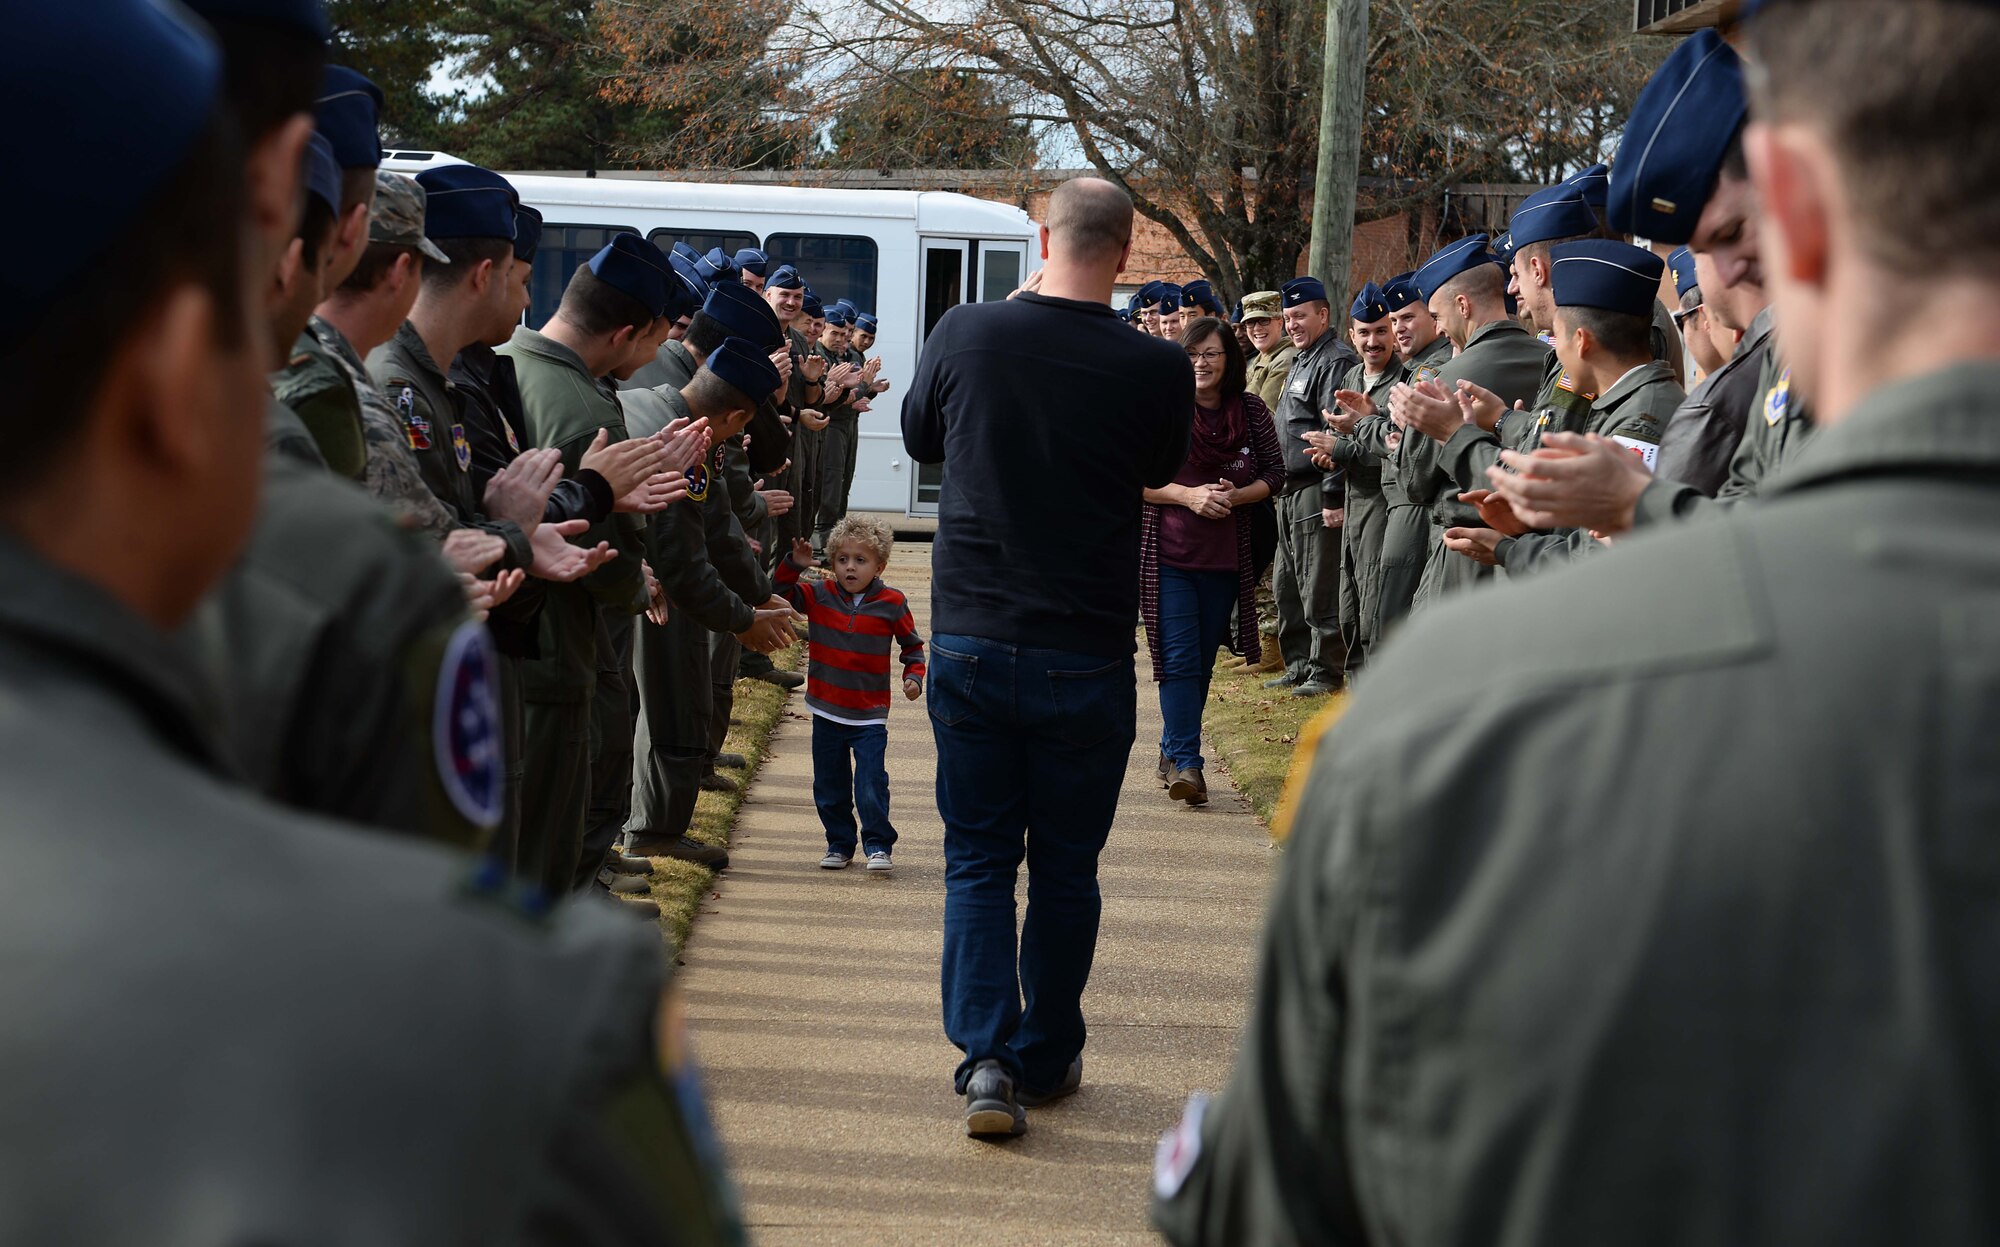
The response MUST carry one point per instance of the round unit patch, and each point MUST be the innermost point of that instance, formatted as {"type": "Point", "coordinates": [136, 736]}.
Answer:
{"type": "Point", "coordinates": [465, 726]}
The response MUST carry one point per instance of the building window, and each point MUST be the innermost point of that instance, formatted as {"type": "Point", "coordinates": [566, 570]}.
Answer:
{"type": "Point", "coordinates": [703, 241]}
{"type": "Point", "coordinates": [564, 249]}
{"type": "Point", "coordinates": [835, 267]}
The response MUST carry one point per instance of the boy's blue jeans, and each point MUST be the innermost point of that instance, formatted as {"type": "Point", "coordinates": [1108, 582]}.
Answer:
{"type": "Point", "coordinates": [1032, 746]}
{"type": "Point", "coordinates": [838, 789]}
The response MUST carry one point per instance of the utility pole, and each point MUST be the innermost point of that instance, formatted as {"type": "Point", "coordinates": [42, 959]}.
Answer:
{"type": "Point", "coordinates": [1343, 83]}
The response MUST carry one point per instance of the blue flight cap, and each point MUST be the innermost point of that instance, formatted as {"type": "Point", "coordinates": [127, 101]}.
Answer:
{"type": "Point", "coordinates": [1170, 304]}
{"type": "Point", "coordinates": [1169, 288]}
{"type": "Point", "coordinates": [1236, 317]}
{"type": "Point", "coordinates": [307, 17]}
{"type": "Point", "coordinates": [1202, 295]}
{"type": "Point", "coordinates": [132, 85]}
{"type": "Point", "coordinates": [1303, 290]}
{"type": "Point", "coordinates": [631, 264]}
{"type": "Point", "coordinates": [838, 317]}
{"type": "Point", "coordinates": [687, 269]}
{"type": "Point", "coordinates": [1148, 295]}
{"type": "Point", "coordinates": [746, 367]}
{"type": "Point", "coordinates": [1463, 256]}
{"type": "Point", "coordinates": [716, 266]}
{"type": "Point", "coordinates": [1594, 184]}
{"type": "Point", "coordinates": [751, 260]}
{"type": "Point", "coordinates": [348, 109]}
{"type": "Point", "coordinates": [322, 171]}
{"type": "Point", "coordinates": [867, 321]}
{"type": "Point", "coordinates": [1602, 273]}
{"type": "Point", "coordinates": [811, 306]}
{"type": "Point", "coordinates": [739, 311]}
{"type": "Point", "coordinates": [527, 232]}
{"type": "Point", "coordinates": [1551, 215]}
{"type": "Point", "coordinates": [1682, 262]}
{"type": "Point", "coordinates": [685, 294]}
{"type": "Point", "coordinates": [1400, 291]}
{"type": "Point", "coordinates": [466, 201]}
{"type": "Point", "coordinates": [1504, 248]}
{"type": "Point", "coordinates": [785, 277]}
{"type": "Point", "coordinates": [1675, 140]}
{"type": "Point", "coordinates": [1370, 305]}
{"type": "Point", "coordinates": [686, 252]}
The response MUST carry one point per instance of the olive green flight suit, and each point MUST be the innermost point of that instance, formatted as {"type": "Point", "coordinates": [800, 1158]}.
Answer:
{"type": "Point", "coordinates": [750, 510]}
{"type": "Point", "coordinates": [1508, 360]}
{"type": "Point", "coordinates": [807, 444]}
{"type": "Point", "coordinates": [798, 521]}
{"type": "Point", "coordinates": [1406, 528]}
{"type": "Point", "coordinates": [318, 391]}
{"type": "Point", "coordinates": [285, 434]}
{"type": "Point", "coordinates": [1676, 932]}
{"type": "Point", "coordinates": [328, 643]}
{"type": "Point", "coordinates": [1305, 578]}
{"type": "Point", "coordinates": [1367, 517]}
{"type": "Point", "coordinates": [348, 1037]}
{"type": "Point", "coordinates": [433, 417]}
{"type": "Point", "coordinates": [840, 442]}
{"type": "Point", "coordinates": [1635, 411]}
{"type": "Point", "coordinates": [712, 584]}
{"type": "Point", "coordinates": [1779, 428]}
{"type": "Point", "coordinates": [565, 407]}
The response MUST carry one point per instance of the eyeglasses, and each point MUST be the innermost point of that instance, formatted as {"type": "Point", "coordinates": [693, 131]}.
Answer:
{"type": "Point", "coordinates": [1207, 357]}
{"type": "Point", "coordinates": [1681, 318]}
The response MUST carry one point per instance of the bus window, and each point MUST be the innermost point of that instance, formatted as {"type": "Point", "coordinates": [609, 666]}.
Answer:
{"type": "Point", "coordinates": [835, 267]}
{"type": "Point", "coordinates": [703, 241]}
{"type": "Point", "coordinates": [564, 249]}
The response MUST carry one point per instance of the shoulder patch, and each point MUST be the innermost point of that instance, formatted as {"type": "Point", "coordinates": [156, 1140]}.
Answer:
{"type": "Point", "coordinates": [697, 480]}
{"type": "Point", "coordinates": [1779, 400]}
{"type": "Point", "coordinates": [415, 427]}
{"type": "Point", "coordinates": [466, 735]}
{"type": "Point", "coordinates": [1648, 452]}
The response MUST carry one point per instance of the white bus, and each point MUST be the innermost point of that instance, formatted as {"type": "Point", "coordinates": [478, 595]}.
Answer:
{"type": "Point", "coordinates": [907, 256]}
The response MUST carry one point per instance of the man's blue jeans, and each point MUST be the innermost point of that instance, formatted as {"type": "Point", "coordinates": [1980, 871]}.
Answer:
{"type": "Point", "coordinates": [1196, 609]}
{"type": "Point", "coordinates": [838, 791]}
{"type": "Point", "coordinates": [1032, 747]}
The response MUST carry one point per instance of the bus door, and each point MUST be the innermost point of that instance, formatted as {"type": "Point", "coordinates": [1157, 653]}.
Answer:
{"type": "Point", "coordinates": [955, 271]}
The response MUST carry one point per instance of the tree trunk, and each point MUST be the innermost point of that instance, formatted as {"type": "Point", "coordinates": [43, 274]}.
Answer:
{"type": "Point", "coordinates": [1343, 82]}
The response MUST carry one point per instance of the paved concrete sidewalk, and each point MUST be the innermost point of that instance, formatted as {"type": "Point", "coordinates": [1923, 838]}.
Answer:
{"type": "Point", "coordinates": [814, 1001]}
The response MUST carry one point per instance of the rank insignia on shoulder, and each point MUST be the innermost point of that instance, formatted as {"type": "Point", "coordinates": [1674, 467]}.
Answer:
{"type": "Point", "coordinates": [1779, 400]}
{"type": "Point", "coordinates": [466, 735]}
{"type": "Point", "coordinates": [299, 359]}
{"type": "Point", "coordinates": [461, 447]}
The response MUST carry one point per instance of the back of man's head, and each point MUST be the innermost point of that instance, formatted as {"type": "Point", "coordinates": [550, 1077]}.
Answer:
{"type": "Point", "coordinates": [1901, 89]}
{"type": "Point", "coordinates": [1089, 220]}
{"type": "Point", "coordinates": [600, 309]}
{"type": "Point", "coordinates": [1484, 286]}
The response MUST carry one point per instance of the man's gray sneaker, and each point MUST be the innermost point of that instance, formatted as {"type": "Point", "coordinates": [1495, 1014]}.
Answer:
{"type": "Point", "coordinates": [1283, 681]}
{"type": "Point", "coordinates": [1072, 1079]}
{"type": "Point", "coordinates": [1315, 688]}
{"type": "Point", "coordinates": [991, 1111]}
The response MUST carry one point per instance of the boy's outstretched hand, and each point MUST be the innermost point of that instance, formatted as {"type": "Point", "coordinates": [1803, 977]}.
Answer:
{"type": "Point", "coordinates": [802, 552]}
{"type": "Point", "coordinates": [913, 689]}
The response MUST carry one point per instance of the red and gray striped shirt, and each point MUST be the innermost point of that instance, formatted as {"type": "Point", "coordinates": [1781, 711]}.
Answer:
{"type": "Point", "coordinates": [847, 675]}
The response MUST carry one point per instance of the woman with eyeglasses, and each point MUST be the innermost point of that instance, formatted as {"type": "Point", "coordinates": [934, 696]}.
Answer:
{"type": "Point", "coordinates": [1198, 579]}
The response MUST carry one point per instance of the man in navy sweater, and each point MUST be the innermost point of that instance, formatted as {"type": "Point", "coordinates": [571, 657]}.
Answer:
{"type": "Point", "coordinates": [1051, 418]}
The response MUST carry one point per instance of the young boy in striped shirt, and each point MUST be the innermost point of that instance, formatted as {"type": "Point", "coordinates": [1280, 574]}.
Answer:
{"type": "Point", "coordinates": [853, 617]}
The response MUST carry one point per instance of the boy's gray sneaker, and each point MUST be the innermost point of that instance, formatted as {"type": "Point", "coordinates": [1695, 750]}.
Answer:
{"type": "Point", "coordinates": [879, 863]}
{"type": "Point", "coordinates": [1072, 1079]}
{"type": "Point", "coordinates": [991, 1111]}
{"type": "Point", "coordinates": [835, 861]}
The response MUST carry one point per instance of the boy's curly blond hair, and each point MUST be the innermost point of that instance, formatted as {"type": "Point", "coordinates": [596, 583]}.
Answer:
{"type": "Point", "coordinates": [865, 531]}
